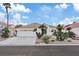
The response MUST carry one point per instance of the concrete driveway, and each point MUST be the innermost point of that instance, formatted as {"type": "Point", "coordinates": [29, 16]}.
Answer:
{"type": "Point", "coordinates": [23, 38]}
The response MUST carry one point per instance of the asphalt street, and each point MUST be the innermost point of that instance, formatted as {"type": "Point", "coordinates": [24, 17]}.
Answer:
{"type": "Point", "coordinates": [39, 50]}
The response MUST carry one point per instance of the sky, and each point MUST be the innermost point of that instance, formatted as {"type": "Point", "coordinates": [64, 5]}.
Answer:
{"type": "Point", "coordinates": [49, 13]}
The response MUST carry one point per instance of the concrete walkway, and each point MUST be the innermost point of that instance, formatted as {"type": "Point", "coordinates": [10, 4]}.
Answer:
{"type": "Point", "coordinates": [22, 39]}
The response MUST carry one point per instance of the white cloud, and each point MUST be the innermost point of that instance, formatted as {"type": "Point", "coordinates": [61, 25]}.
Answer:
{"type": "Point", "coordinates": [2, 15]}
{"type": "Point", "coordinates": [76, 6]}
{"type": "Point", "coordinates": [54, 24]}
{"type": "Point", "coordinates": [17, 19]}
{"type": "Point", "coordinates": [77, 17]}
{"type": "Point", "coordinates": [25, 17]}
{"type": "Point", "coordinates": [45, 11]}
{"type": "Point", "coordinates": [23, 23]}
{"type": "Point", "coordinates": [46, 16]}
{"type": "Point", "coordinates": [46, 8]}
{"type": "Point", "coordinates": [20, 8]}
{"type": "Point", "coordinates": [16, 15]}
{"type": "Point", "coordinates": [66, 21]}
{"type": "Point", "coordinates": [61, 6]}
{"type": "Point", "coordinates": [17, 8]}
{"type": "Point", "coordinates": [57, 6]}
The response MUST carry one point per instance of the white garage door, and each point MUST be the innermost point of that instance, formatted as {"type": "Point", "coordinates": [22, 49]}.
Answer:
{"type": "Point", "coordinates": [25, 33]}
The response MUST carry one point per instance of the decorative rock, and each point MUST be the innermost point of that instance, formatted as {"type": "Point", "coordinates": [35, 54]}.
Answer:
{"type": "Point", "coordinates": [53, 38]}
{"type": "Point", "coordinates": [69, 39]}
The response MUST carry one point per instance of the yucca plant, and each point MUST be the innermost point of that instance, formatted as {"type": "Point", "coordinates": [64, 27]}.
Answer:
{"type": "Point", "coordinates": [43, 29]}
{"type": "Point", "coordinates": [39, 35]}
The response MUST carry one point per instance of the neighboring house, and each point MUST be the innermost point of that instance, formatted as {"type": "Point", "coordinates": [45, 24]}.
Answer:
{"type": "Point", "coordinates": [50, 29]}
{"type": "Point", "coordinates": [3, 24]}
{"type": "Point", "coordinates": [11, 29]}
{"type": "Point", "coordinates": [75, 27]}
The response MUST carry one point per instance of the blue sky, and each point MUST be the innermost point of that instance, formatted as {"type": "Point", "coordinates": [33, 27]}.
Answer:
{"type": "Point", "coordinates": [49, 13]}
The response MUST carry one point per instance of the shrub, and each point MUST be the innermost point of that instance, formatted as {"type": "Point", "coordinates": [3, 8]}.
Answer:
{"type": "Point", "coordinates": [65, 35]}
{"type": "Point", "coordinates": [5, 33]}
{"type": "Point", "coordinates": [35, 30]}
{"type": "Point", "coordinates": [71, 34]}
{"type": "Point", "coordinates": [60, 36]}
{"type": "Point", "coordinates": [55, 33]}
{"type": "Point", "coordinates": [46, 38]}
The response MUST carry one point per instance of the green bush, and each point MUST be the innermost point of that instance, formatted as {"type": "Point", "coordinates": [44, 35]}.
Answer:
{"type": "Point", "coordinates": [35, 29]}
{"type": "Point", "coordinates": [5, 33]}
{"type": "Point", "coordinates": [46, 39]}
{"type": "Point", "coordinates": [60, 36]}
{"type": "Point", "coordinates": [55, 33]}
{"type": "Point", "coordinates": [71, 34]}
{"type": "Point", "coordinates": [65, 35]}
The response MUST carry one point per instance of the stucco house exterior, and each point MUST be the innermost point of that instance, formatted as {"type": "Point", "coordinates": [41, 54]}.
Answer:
{"type": "Point", "coordinates": [31, 27]}
{"type": "Point", "coordinates": [75, 27]}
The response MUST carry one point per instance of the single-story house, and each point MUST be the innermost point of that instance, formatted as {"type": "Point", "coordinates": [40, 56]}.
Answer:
{"type": "Point", "coordinates": [74, 27]}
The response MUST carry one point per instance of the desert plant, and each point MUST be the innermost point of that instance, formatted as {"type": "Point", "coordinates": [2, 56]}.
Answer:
{"type": "Point", "coordinates": [59, 33]}
{"type": "Point", "coordinates": [59, 27]}
{"type": "Point", "coordinates": [35, 29]}
{"type": "Point", "coordinates": [39, 35]}
{"type": "Point", "coordinates": [5, 33]}
{"type": "Point", "coordinates": [46, 39]}
{"type": "Point", "coordinates": [60, 36]}
{"type": "Point", "coordinates": [54, 33]}
{"type": "Point", "coordinates": [65, 35]}
{"type": "Point", "coordinates": [70, 33]}
{"type": "Point", "coordinates": [43, 29]}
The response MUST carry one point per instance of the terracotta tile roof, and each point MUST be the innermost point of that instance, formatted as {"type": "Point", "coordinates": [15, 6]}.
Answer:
{"type": "Point", "coordinates": [74, 25]}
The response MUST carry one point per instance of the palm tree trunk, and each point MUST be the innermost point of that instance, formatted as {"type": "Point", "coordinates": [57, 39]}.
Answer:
{"type": "Point", "coordinates": [7, 17]}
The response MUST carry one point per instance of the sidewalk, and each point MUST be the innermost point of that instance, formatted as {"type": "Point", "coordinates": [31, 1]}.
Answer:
{"type": "Point", "coordinates": [2, 39]}
{"type": "Point", "coordinates": [31, 42]}
{"type": "Point", "coordinates": [18, 41]}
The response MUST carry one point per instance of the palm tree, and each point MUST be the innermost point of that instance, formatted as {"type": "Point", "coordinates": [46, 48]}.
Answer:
{"type": "Point", "coordinates": [59, 32]}
{"type": "Point", "coordinates": [7, 5]}
{"type": "Point", "coordinates": [59, 27]}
